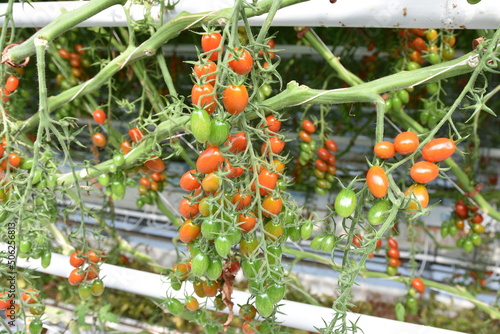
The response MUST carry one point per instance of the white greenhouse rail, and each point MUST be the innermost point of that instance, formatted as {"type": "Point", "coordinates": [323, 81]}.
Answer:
{"type": "Point", "coordinates": [292, 314]}
{"type": "Point", "coordinates": [449, 14]}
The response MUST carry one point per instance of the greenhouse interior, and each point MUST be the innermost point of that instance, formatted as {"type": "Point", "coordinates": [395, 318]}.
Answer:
{"type": "Point", "coordinates": [250, 166]}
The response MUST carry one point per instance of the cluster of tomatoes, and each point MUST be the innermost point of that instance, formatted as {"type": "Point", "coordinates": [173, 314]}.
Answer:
{"type": "Point", "coordinates": [233, 216]}
{"type": "Point", "coordinates": [31, 299]}
{"type": "Point", "coordinates": [465, 215]}
{"type": "Point", "coordinates": [422, 172]}
{"type": "Point", "coordinates": [75, 60]}
{"type": "Point", "coordinates": [393, 257]}
{"type": "Point", "coordinates": [324, 165]}
{"type": "Point", "coordinates": [11, 85]}
{"type": "Point", "coordinates": [86, 273]}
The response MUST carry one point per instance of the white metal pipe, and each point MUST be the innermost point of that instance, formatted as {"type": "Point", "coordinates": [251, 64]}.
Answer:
{"type": "Point", "coordinates": [449, 14]}
{"type": "Point", "coordinates": [292, 314]}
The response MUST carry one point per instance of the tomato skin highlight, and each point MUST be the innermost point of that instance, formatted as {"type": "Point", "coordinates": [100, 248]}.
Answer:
{"type": "Point", "coordinates": [384, 150]}
{"type": "Point", "coordinates": [422, 195]}
{"type": "Point", "coordinates": [406, 142]}
{"type": "Point", "coordinates": [424, 171]}
{"type": "Point", "coordinates": [377, 181]}
{"type": "Point", "coordinates": [235, 99]}
{"type": "Point", "coordinates": [438, 149]}
{"type": "Point", "coordinates": [209, 160]}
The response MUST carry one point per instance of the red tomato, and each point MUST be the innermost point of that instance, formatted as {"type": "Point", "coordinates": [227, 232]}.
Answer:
{"type": "Point", "coordinates": [237, 142]}
{"type": "Point", "coordinates": [125, 146]}
{"type": "Point", "coordinates": [99, 116]}
{"type": "Point", "coordinates": [273, 124]}
{"type": "Point", "coordinates": [356, 240]}
{"type": "Point", "coordinates": [478, 218]}
{"type": "Point", "coordinates": [2, 151]}
{"type": "Point", "coordinates": [93, 257]}
{"type": "Point", "coordinates": [392, 243]}
{"type": "Point", "coordinates": [14, 160]}
{"type": "Point", "coordinates": [247, 221]}
{"type": "Point", "coordinates": [204, 96]}
{"type": "Point", "coordinates": [155, 164]}
{"type": "Point", "coordinates": [384, 150]}
{"type": "Point", "coordinates": [379, 243]}
{"type": "Point", "coordinates": [438, 149]}
{"type": "Point", "coordinates": [30, 296]}
{"type": "Point", "coordinates": [267, 182]}
{"type": "Point", "coordinates": [331, 145]}
{"type": "Point", "coordinates": [135, 134]}
{"type": "Point", "coordinates": [235, 99]}
{"type": "Point", "coordinates": [393, 262]}
{"type": "Point", "coordinates": [276, 145]}
{"type": "Point", "coordinates": [321, 165]}
{"type": "Point", "coordinates": [422, 195]}
{"type": "Point", "coordinates": [241, 62]}
{"type": "Point", "coordinates": [4, 302]}
{"type": "Point", "coordinates": [271, 206]}
{"type": "Point", "coordinates": [189, 231]}
{"type": "Point", "coordinates": [323, 154]}
{"type": "Point", "coordinates": [64, 53]}
{"type": "Point", "coordinates": [419, 44]}
{"type": "Point", "coordinates": [424, 171]}
{"type": "Point", "coordinates": [188, 181]}
{"type": "Point", "coordinates": [406, 142]}
{"type": "Point", "coordinates": [76, 259]}
{"type": "Point", "coordinates": [75, 277]}
{"type": "Point", "coordinates": [393, 253]}
{"type": "Point", "coordinates": [418, 285]}
{"type": "Point", "coordinates": [206, 71]}
{"type": "Point", "coordinates": [211, 42]}
{"type": "Point", "coordinates": [99, 139]}
{"type": "Point", "coordinates": [308, 126]}
{"type": "Point", "coordinates": [209, 160]}
{"type": "Point", "coordinates": [79, 48]}
{"type": "Point", "coordinates": [377, 181]}
{"type": "Point", "coordinates": [91, 272]}
{"type": "Point", "coordinates": [186, 209]}
{"type": "Point", "coordinates": [11, 83]}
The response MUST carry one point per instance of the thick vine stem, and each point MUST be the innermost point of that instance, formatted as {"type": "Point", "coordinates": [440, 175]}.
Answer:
{"type": "Point", "coordinates": [63, 23]}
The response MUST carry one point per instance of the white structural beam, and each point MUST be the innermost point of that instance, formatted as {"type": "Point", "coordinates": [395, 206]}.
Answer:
{"type": "Point", "coordinates": [292, 314]}
{"type": "Point", "coordinates": [449, 14]}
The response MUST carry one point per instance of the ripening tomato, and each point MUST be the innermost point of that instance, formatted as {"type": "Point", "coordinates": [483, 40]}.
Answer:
{"type": "Point", "coordinates": [308, 126]}
{"type": "Point", "coordinates": [331, 145]}
{"type": "Point", "coordinates": [304, 136]}
{"type": "Point", "coordinates": [237, 143]}
{"type": "Point", "coordinates": [248, 312]}
{"type": "Point", "coordinates": [155, 164]}
{"type": "Point", "coordinates": [188, 231]}
{"type": "Point", "coordinates": [75, 277]}
{"type": "Point", "coordinates": [99, 139]}
{"type": "Point", "coordinates": [241, 201]}
{"type": "Point", "coordinates": [210, 182]}
{"type": "Point", "coordinates": [271, 206]}
{"type": "Point", "coordinates": [76, 259]}
{"type": "Point", "coordinates": [424, 171]}
{"type": "Point", "coordinates": [273, 230]}
{"type": "Point", "coordinates": [377, 181]}
{"type": "Point", "coordinates": [384, 150]}
{"type": "Point", "coordinates": [191, 303]}
{"type": "Point", "coordinates": [438, 149]}
{"type": "Point", "coordinates": [273, 124]}
{"type": "Point", "coordinates": [92, 256]}
{"type": "Point", "coordinates": [276, 144]}
{"type": "Point", "coordinates": [212, 42]}
{"type": "Point", "coordinates": [421, 194]}
{"type": "Point", "coordinates": [14, 160]}
{"type": "Point", "coordinates": [406, 142]}
{"type": "Point", "coordinates": [126, 147]}
{"type": "Point", "coordinates": [267, 182]}
{"type": "Point", "coordinates": [419, 44]}
{"type": "Point", "coordinates": [241, 62]}
{"type": "Point", "coordinates": [392, 243]}
{"type": "Point", "coordinates": [99, 116]}
{"type": "Point", "coordinates": [393, 253]}
{"type": "Point", "coordinates": [461, 210]}
{"type": "Point", "coordinates": [11, 83]}
{"type": "Point", "coordinates": [206, 71]}
{"type": "Point", "coordinates": [188, 181]}
{"type": "Point", "coordinates": [4, 302]}
{"type": "Point", "coordinates": [209, 160]}
{"type": "Point", "coordinates": [188, 210]}
{"type": "Point", "coordinates": [235, 99]}
{"type": "Point", "coordinates": [393, 262]}
{"type": "Point", "coordinates": [247, 221]}
{"type": "Point", "coordinates": [204, 97]}
{"type": "Point", "coordinates": [418, 285]}
{"type": "Point", "coordinates": [135, 134]}
{"type": "Point", "coordinates": [478, 218]}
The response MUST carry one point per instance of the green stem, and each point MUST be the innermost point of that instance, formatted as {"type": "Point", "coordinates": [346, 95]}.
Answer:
{"type": "Point", "coordinates": [60, 25]}
{"type": "Point", "coordinates": [176, 221]}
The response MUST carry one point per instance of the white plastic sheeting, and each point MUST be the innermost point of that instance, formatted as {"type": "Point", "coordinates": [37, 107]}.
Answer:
{"type": "Point", "coordinates": [292, 314]}
{"type": "Point", "coordinates": [450, 14]}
